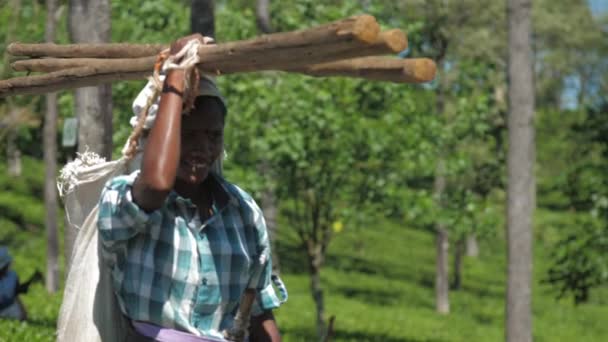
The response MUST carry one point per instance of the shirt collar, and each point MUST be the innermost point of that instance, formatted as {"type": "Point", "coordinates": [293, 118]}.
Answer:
{"type": "Point", "coordinates": [223, 198]}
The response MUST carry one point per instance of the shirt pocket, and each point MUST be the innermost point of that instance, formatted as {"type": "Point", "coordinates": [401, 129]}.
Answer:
{"type": "Point", "coordinates": [185, 277]}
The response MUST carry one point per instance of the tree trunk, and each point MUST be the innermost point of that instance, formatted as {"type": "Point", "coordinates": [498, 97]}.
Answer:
{"type": "Point", "coordinates": [13, 154]}
{"type": "Point", "coordinates": [12, 150]}
{"type": "Point", "coordinates": [269, 208]}
{"type": "Point", "coordinates": [458, 254]}
{"type": "Point", "coordinates": [472, 247]}
{"type": "Point", "coordinates": [262, 15]}
{"type": "Point", "coordinates": [442, 301]}
{"type": "Point", "coordinates": [317, 295]}
{"type": "Point", "coordinates": [441, 276]}
{"type": "Point", "coordinates": [94, 108]}
{"type": "Point", "coordinates": [202, 18]}
{"type": "Point", "coordinates": [50, 163]}
{"type": "Point", "coordinates": [521, 182]}
{"type": "Point", "coordinates": [89, 22]}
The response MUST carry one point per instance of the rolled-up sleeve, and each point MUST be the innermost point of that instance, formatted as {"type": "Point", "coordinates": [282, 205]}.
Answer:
{"type": "Point", "coordinates": [266, 297]}
{"type": "Point", "coordinates": [119, 217]}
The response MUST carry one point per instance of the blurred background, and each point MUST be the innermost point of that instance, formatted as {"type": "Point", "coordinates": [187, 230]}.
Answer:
{"type": "Point", "coordinates": [346, 170]}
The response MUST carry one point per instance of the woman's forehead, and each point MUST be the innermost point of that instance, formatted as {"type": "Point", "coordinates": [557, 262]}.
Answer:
{"type": "Point", "coordinates": [211, 121]}
{"type": "Point", "coordinates": [209, 103]}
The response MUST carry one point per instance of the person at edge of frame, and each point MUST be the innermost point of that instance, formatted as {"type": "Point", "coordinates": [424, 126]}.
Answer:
{"type": "Point", "coordinates": [11, 306]}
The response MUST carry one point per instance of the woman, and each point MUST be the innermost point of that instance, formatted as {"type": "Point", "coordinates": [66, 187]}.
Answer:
{"type": "Point", "coordinates": [183, 243]}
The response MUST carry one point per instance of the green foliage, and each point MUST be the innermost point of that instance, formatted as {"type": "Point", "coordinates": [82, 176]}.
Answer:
{"type": "Point", "coordinates": [323, 133]}
{"type": "Point", "coordinates": [579, 261]}
{"type": "Point", "coordinates": [571, 46]}
{"type": "Point", "coordinates": [150, 21]}
{"type": "Point", "coordinates": [29, 182]}
{"type": "Point", "coordinates": [20, 202]}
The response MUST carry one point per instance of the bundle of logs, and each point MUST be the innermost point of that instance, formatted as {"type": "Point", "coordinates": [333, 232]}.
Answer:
{"type": "Point", "coordinates": [347, 47]}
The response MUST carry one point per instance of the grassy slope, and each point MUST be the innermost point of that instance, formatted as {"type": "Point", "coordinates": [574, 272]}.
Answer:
{"type": "Point", "coordinates": [379, 284]}
{"type": "Point", "coordinates": [29, 252]}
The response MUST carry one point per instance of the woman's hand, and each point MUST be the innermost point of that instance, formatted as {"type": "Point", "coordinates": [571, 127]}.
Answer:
{"type": "Point", "coordinates": [179, 44]}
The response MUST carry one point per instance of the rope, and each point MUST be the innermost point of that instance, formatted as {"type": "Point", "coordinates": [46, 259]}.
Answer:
{"type": "Point", "coordinates": [132, 142]}
{"type": "Point", "coordinates": [165, 62]}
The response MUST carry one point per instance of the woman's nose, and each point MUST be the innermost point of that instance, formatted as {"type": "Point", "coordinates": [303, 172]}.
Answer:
{"type": "Point", "coordinates": [207, 147]}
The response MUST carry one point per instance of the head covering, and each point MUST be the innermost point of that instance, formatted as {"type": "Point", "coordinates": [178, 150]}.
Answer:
{"type": "Point", "coordinates": [207, 87]}
{"type": "Point", "coordinates": [5, 258]}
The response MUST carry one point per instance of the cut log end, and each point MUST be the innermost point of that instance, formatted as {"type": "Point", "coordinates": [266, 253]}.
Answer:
{"type": "Point", "coordinates": [416, 70]}
{"type": "Point", "coordinates": [394, 39]}
{"type": "Point", "coordinates": [11, 48]}
{"type": "Point", "coordinates": [419, 70]}
{"type": "Point", "coordinates": [365, 28]}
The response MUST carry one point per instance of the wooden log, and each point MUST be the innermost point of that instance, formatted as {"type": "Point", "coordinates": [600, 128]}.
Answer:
{"type": "Point", "coordinates": [388, 69]}
{"type": "Point", "coordinates": [277, 58]}
{"type": "Point", "coordinates": [113, 50]}
{"type": "Point", "coordinates": [54, 64]}
{"type": "Point", "coordinates": [342, 39]}
{"type": "Point", "coordinates": [390, 41]}
{"type": "Point", "coordinates": [362, 28]}
{"type": "Point", "coordinates": [387, 42]}
{"type": "Point", "coordinates": [415, 70]}
{"type": "Point", "coordinates": [291, 51]}
{"type": "Point", "coordinates": [64, 79]}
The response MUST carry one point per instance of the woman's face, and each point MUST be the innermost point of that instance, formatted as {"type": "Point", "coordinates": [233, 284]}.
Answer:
{"type": "Point", "coordinates": [202, 140]}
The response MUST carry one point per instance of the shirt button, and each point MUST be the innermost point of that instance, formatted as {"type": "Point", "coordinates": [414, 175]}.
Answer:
{"type": "Point", "coordinates": [205, 281]}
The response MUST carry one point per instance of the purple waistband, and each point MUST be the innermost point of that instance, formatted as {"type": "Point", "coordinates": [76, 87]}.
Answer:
{"type": "Point", "coordinates": [168, 335]}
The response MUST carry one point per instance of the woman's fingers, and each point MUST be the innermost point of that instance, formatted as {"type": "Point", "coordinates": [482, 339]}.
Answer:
{"type": "Point", "coordinates": [179, 44]}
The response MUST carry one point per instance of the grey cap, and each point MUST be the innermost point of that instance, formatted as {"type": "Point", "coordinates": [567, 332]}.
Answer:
{"type": "Point", "coordinates": [207, 87]}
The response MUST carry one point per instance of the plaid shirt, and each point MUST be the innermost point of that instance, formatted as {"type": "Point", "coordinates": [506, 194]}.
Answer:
{"type": "Point", "coordinates": [173, 270]}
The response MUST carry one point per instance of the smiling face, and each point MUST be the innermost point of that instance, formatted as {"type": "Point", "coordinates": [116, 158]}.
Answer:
{"type": "Point", "coordinates": [202, 140]}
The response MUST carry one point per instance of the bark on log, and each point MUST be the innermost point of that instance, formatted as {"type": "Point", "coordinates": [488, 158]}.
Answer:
{"type": "Point", "coordinates": [387, 42]}
{"type": "Point", "coordinates": [64, 79]}
{"type": "Point", "coordinates": [290, 51]}
{"type": "Point", "coordinates": [415, 70]}
{"type": "Point", "coordinates": [100, 71]}
{"type": "Point", "coordinates": [361, 29]}
{"type": "Point", "coordinates": [390, 41]}
{"type": "Point", "coordinates": [108, 50]}
{"type": "Point", "coordinates": [143, 64]}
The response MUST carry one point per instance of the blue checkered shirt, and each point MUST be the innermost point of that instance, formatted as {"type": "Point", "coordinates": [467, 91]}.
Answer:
{"type": "Point", "coordinates": [172, 270]}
